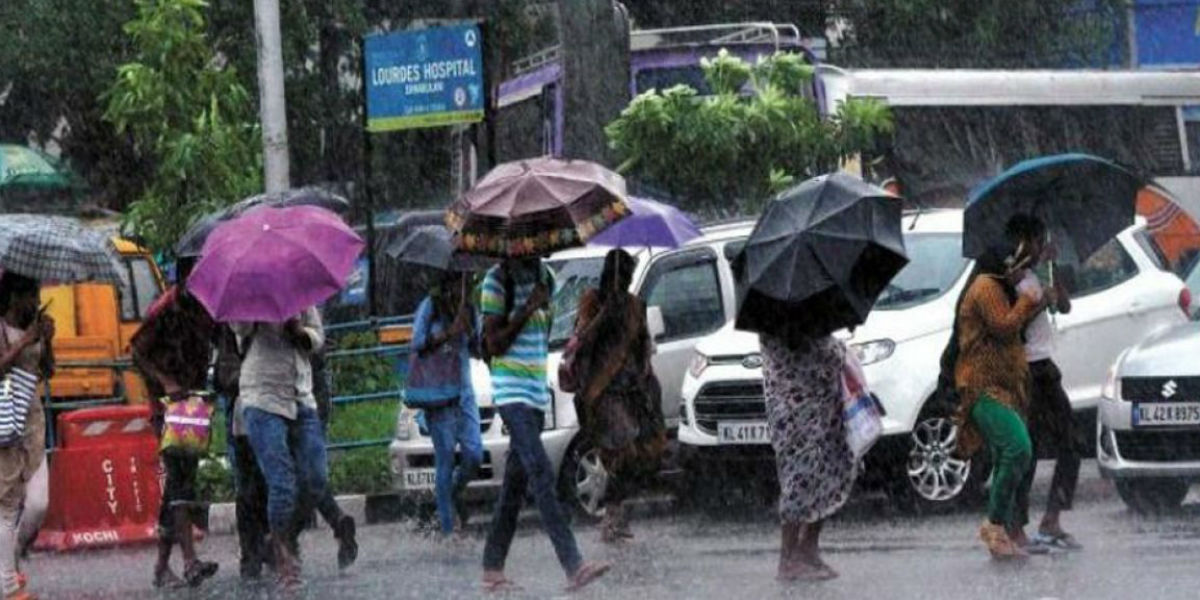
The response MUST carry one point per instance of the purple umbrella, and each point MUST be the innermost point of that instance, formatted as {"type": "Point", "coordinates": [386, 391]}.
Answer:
{"type": "Point", "coordinates": [272, 263]}
{"type": "Point", "coordinates": [652, 224]}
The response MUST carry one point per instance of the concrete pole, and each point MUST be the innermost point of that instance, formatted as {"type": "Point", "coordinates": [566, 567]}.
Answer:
{"type": "Point", "coordinates": [271, 98]}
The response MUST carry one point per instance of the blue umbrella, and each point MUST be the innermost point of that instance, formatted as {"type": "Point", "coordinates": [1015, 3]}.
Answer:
{"type": "Point", "coordinates": [652, 224]}
{"type": "Point", "coordinates": [1085, 199]}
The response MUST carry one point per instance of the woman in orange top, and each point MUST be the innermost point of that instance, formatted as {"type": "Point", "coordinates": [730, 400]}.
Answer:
{"type": "Point", "coordinates": [992, 379]}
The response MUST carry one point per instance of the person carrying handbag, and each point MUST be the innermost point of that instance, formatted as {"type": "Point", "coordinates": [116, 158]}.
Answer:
{"type": "Point", "coordinates": [618, 400]}
{"type": "Point", "coordinates": [439, 383]}
{"type": "Point", "coordinates": [25, 358]}
{"type": "Point", "coordinates": [172, 350]}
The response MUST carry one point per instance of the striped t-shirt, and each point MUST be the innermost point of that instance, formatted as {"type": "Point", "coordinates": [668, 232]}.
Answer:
{"type": "Point", "coordinates": [519, 375]}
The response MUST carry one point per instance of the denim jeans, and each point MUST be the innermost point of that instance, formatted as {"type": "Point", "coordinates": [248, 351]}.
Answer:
{"type": "Point", "coordinates": [291, 456]}
{"type": "Point", "coordinates": [528, 467]}
{"type": "Point", "coordinates": [449, 427]}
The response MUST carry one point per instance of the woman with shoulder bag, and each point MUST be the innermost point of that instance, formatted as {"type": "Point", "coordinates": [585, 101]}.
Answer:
{"type": "Point", "coordinates": [25, 358]}
{"type": "Point", "coordinates": [618, 398]}
{"type": "Point", "coordinates": [439, 383]}
{"type": "Point", "coordinates": [172, 350]}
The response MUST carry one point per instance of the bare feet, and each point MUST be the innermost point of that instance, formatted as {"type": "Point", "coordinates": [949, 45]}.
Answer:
{"type": "Point", "coordinates": [800, 570]}
{"type": "Point", "coordinates": [494, 582]}
{"type": "Point", "coordinates": [167, 579]}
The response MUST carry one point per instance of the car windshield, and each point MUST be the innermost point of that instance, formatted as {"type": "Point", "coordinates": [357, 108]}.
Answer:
{"type": "Point", "coordinates": [572, 277]}
{"type": "Point", "coordinates": [935, 262]}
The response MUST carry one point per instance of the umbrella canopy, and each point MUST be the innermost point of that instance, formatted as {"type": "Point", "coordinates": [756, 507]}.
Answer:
{"type": "Point", "coordinates": [650, 224]}
{"type": "Point", "coordinates": [536, 207]}
{"type": "Point", "coordinates": [192, 241]}
{"type": "Point", "coordinates": [1085, 199]}
{"type": "Point", "coordinates": [57, 249]}
{"type": "Point", "coordinates": [272, 263]}
{"type": "Point", "coordinates": [20, 165]}
{"type": "Point", "coordinates": [433, 246]}
{"type": "Point", "coordinates": [819, 256]}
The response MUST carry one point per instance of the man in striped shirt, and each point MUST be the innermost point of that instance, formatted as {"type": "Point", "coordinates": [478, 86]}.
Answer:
{"type": "Point", "coordinates": [515, 303]}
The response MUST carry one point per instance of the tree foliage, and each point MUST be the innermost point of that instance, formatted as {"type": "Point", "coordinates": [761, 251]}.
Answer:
{"type": "Point", "coordinates": [189, 115]}
{"type": "Point", "coordinates": [728, 152]}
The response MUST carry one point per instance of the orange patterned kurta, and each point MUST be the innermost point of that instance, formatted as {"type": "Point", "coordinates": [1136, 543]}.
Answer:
{"type": "Point", "coordinates": [991, 355]}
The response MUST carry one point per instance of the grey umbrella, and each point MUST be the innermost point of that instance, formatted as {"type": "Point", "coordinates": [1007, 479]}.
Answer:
{"type": "Point", "coordinates": [433, 246]}
{"type": "Point", "coordinates": [57, 249]}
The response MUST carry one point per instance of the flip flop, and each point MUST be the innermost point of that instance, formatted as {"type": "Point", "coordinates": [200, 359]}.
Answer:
{"type": "Point", "coordinates": [501, 586]}
{"type": "Point", "coordinates": [586, 574]}
{"type": "Point", "coordinates": [1063, 541]}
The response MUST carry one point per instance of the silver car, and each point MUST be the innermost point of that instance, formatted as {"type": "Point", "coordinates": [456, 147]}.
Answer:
{"type": "Point", "coordinates": [1148, 427]}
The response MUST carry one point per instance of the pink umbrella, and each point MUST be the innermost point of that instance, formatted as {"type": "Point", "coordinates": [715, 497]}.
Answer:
{"type": "Point", "coordinates": [272, 263]}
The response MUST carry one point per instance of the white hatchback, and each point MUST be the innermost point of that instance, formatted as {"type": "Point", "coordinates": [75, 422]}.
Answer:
{"type": "Point", "coordinates": [1122, 295]}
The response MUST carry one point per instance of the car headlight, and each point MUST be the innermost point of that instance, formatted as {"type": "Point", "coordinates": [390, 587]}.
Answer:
{"type": "Point", "coordinates": [699, 364]}
{"type": "Point", "coordinates": [404, 424]}
{"type": "Point", "coordinates": [874, 351]}
{"type": "Point", "coordinates": [1112, 385]}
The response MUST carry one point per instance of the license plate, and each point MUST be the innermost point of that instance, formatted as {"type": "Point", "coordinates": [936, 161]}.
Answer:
{"type": "Point", "coordinates": [742, 433]}
{"type": "Point", "coordinates": [1166, 413]}
{"type": "Point", "coordinates": [419, 479]}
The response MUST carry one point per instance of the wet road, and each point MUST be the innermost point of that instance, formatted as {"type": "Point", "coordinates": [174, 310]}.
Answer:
{"type": "Point", "coordinates": [726, 553]}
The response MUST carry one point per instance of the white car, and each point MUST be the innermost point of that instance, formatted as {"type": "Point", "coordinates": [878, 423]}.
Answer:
{"type": "Point", "coordinates": [1122, 295]}
{"type": "Point", "coordinates": [1148, 429]}
{"type": "Point", "coordinates": [689, 294]}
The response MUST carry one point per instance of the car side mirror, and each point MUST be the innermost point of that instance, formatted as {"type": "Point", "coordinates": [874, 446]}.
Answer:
{"type": "Point", "coordinates": [655, 323]}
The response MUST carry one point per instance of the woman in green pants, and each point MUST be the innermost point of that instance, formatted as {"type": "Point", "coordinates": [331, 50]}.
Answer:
{"type": "Point", "coordinates": [992, 378]}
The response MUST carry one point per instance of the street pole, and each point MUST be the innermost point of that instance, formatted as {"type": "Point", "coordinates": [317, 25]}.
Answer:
{"type": "Point", "coordinates": [271, 97]}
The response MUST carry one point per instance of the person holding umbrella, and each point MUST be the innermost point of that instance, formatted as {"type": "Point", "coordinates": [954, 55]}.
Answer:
{"type": "Point", "coordinates": [264, 273]}
{"type": "Point", "coordinates": [25, 355]}
{"type": "Point", "coordinates": [819, 256]}
{"type": "Point", "coordinates": [33, 249]}
{"type": "Point", "coordinates": [442, 332]}
{"type": "Point", "coordinates": [991, 376]}
{"type": "Point", "coordinates": [520, 212]}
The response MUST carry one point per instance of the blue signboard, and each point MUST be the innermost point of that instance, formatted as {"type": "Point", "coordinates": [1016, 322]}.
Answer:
{"type": "Point", "coordinates": [355, 292]}
{"type": "Point", "coordinates": [1168, 33]}
{"type": "Point", "coordinates": [424, 78]}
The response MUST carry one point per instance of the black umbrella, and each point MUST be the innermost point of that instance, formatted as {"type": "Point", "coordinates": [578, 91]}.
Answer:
{"type": "Point", "coordinates": [1085, 199]}
{"type": "Point", "coordinates": [819, 256]}
{"type": "Point", "coordinates": [193, 241]}
{"type": "Point", "coordinates": [433, 246]}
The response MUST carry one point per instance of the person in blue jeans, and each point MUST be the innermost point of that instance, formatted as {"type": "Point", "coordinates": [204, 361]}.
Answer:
{"type": "Point", "coordinates": [277, 411]}
{"type": "Point", "coordinates": [443, 325]}
{"type": "Point", "coordinates": [515, 302]}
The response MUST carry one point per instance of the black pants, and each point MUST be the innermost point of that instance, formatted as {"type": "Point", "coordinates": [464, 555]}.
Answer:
{"type": "Point", "coordinates": [179, 489]}
{"type": "Point", "coordinates": [1052, 429]}
{"type": "Point", "coordinates": [250, 502]}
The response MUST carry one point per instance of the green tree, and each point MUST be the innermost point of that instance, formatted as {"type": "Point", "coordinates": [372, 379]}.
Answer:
{"type": "Point", "coordinates": [728, 152]}
{"type": "Point", "coordinates": [190, 118]}
{"type": "Point", "coordinates": [979, 33]}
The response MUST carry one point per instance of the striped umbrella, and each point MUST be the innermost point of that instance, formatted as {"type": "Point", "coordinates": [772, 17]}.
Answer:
{"type": "Point", "coordinates": [56, 249]}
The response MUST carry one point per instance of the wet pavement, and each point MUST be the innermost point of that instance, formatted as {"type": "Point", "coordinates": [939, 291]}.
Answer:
{"type": "Point", "coordinates": [726, 552]}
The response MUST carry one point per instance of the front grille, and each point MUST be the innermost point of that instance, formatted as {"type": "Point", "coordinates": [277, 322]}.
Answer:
{"type": "Point", "coordinates": [729, 401]}
{"type": "Point", "coordinates": [1159, 446]}
{"type": "Point", "coordinates": [1161, 389]}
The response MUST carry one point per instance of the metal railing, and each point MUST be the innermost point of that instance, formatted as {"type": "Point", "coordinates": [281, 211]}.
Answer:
{"type": "Point", "coordinates": [52, 407]}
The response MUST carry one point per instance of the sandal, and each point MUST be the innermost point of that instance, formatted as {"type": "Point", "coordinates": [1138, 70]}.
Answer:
{"type": "Point", "coordinates": [1060, 541]}
{"type": "Point", "coordinates": [587, 573]}
{"type": "Point", "coordinates": [197, 572]}
{"type": "Point", "coordinates": [167, 579]}
{"type": "Point", "coordinates": [501, 586]}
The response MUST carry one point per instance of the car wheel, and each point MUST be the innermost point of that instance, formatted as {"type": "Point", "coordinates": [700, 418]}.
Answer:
{"type": "Point", "coordinates": [931, 477]}
{"type": "Point", "coordinates": [1152, 496]}
{"type": "Point", "coordinates": [583, 480]}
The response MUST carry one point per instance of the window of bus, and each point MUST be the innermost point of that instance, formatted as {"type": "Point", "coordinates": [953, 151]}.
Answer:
{"type": "Point", "coordinates": [1191, 127]}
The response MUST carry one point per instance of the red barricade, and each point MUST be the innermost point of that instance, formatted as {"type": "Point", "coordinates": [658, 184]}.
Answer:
{"type": "Point", "coordinates": [105, 485]}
